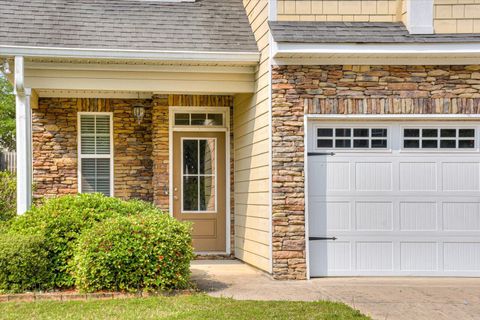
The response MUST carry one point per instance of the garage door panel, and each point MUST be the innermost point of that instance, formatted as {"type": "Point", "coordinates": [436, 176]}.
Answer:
{"type": "Point", "coordinates": [418, 256]}
{"type": "Point", "coordinates": [418, 176]}
{"type": "Point", "coordinates": [336, 175]}
{"type": "Point", "coordinates": [461, 176]}
{"type": "Point", "coordinates": [462, 256]}
{"type": "Point", "coordinates": [337, 217]}
{"type": "Point", "coordinates": [418, 216]}
{"type": "Point", "coordinates": [374, 255]}
{"type": "Point", "coordinates": [395, 212]}
{"type": "Point", "coordinates": [374, 216]}
{"type": "Point", "coordinates": [461, 216]}
{"type": "Point", "coordinates": [339, 256]}
{"type": "Point", "coordinates": [373, 176]}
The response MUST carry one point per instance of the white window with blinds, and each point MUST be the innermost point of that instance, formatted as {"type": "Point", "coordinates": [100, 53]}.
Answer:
{"type": "Point", "coordinates": [95, 150]}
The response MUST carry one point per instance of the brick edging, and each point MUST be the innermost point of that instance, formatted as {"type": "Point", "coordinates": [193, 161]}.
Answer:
{"type": "Point", "coordinates": [62, 296]}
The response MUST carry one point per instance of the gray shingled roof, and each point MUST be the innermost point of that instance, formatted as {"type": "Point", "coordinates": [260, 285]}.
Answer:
{"type": "Point", "coordinates": [357, 32]}
{"type": "Point", "coordinates": [204, 25]}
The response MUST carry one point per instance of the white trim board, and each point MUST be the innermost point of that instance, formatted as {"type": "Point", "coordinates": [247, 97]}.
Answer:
{"type": "Point", "coordinates": [420, 16]}
{"type": "Point", "coordinates": [203, 56]}
{"type": "Point", "coordinates": [376, 53]}
{"type": "Point", "coordinates": [394, 117]}
{"type": "Point", "coordinates": [140, 67]}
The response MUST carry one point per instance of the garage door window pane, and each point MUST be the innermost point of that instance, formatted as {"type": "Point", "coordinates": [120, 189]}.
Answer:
{"type": "Point", "coordinates": [342, 144]}
{"type": "Point", "coordinates": [360, 143]}
{"type": "Point", "coordinates": [360, 132]}
{"type": "Point", "coordinates": [466, 133]}
{"type": "Point", "coordinates": [411, 133]}
{"type": "Point", "coordinates": [466, 144]}
{"type": "Point", "coordinates": [429, 144]}
{"type": "Point", "coordinates": [411, 144]}
{"type": "Point", "coordinates": [322, 143]}
{"type": "Point", "coordinates": [448, 133]}
{"type": "Point", "coordinates": [379, 144]}
{"type": "Point", "coordinates": [321, 132]}
{"type": "Point", "coordinates": [342, 132]}
{"type": "Point", "coordinates": [379, 133]}
{"type": "Point", "coordinates": [429, 133]}
{"type": "Point", "coordinates": [448, 144]}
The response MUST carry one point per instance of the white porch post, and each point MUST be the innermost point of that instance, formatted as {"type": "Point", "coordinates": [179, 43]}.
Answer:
{"type": "Point", "coordinates": [24, 139]}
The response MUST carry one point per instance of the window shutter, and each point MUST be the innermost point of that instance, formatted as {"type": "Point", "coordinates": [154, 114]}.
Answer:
{"type": "Point", "coordinates": [95, 153]}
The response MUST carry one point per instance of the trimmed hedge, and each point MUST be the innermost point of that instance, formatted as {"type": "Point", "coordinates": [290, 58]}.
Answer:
{"type": "Point", "coordinates": [143, 252]}
{"type": "Point", "coordinates": [8, 196]}
{"type": "Point", "coordinates": [23, 263]}
{"type": "Point", "coordinates": [60, 221]}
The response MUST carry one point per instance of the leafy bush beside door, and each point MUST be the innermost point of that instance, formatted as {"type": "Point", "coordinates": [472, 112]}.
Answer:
{"type": "Point", "coordinates": [146, 251]}
{"type": "Point", "coordinates": [8, 196]}
{"type": "Point", "coordinates": [24, 263]}
{"type": "Point", "coordinates": [60, 222]}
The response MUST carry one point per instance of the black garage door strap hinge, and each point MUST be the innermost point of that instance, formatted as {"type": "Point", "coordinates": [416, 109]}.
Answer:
{"type": "Point", "coordinates": [312, 154]}
{"type": "Point", "coordinates": [322, 238]}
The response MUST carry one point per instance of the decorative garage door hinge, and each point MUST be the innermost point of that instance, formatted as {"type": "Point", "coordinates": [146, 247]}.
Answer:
{"type": "Point", "coordinates": [311, 154]}
{"type": "Point", "coordinates": [322, 238]}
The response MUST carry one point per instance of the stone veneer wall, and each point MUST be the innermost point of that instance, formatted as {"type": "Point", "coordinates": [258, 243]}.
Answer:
{"type": "Point", "coordinates": [141, 151]}
{"type": "Point", "coordinates": [54, 131]}
{"type": "Point", "coordinates": [298, 90]}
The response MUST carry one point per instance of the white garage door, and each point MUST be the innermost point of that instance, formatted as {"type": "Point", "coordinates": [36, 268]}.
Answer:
{"type": "Point", "coordinates": [394, 199]}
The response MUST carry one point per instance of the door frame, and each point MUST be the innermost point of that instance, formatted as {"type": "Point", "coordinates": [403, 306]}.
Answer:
{"type": "Point", "coordinates": [226, 129]}
{"type": "Point", "coordinates": [311, 119]}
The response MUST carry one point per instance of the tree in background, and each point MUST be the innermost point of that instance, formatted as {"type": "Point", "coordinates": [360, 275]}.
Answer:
{"type": "Point", "coordinates": [7, 114]}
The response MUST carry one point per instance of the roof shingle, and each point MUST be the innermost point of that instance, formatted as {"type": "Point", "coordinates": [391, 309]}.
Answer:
{"type": "Point", "coordinates": [358, 32]}
{"type": "Point", "coordinates": [204, 25]}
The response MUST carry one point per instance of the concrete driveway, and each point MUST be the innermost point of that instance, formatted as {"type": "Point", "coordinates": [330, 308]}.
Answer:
{"type": "Point", "coordinates": [380, 298]}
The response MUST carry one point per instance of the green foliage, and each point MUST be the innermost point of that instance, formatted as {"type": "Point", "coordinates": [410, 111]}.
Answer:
{"type": "Point", "coordinates": [145, 252]}
{"type": "Point", "coordinates": [8, 196]}
{"type": "Point", "coordinates": [61, 221]}
{"type": "Point", "coordinates": [23, 263]}
{"type": "Point", "coordinates": [7, 115]}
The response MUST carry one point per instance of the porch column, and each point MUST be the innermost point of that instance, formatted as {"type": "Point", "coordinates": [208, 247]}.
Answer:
{"type": "Point", "coordinates": [23, 138]}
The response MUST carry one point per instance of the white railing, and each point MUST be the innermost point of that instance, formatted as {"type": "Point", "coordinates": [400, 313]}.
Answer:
{"type": "Point", "coordinates": [8, 161]}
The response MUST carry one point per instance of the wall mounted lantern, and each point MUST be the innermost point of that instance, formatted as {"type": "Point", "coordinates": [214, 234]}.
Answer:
{"type": "Point", "coordinates": [138, 110]}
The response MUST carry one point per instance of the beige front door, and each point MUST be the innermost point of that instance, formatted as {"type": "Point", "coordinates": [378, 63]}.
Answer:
{"type": "Point", "coordinates": [199, 188]}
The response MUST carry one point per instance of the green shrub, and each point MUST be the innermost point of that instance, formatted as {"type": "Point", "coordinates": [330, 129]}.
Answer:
{"type": "Point", "coordinates": [61, 221]}
{"type": "Point", "coordinates": [145, 252]}
{"type": "Point", "coordinates": [8, 196]}
{"type": "Point", "coordinates": [23, 263]}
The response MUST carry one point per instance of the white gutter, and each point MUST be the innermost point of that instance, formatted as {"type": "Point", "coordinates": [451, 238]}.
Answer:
{"type": "Point", "coordinates": [203, 56]}
{"type": "Point", "coordinates": [391, 53]}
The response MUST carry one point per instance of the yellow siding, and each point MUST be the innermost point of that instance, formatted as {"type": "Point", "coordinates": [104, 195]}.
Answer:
{"type": "Point", "coordinates": [403, 11]}
{"type": "Point", "coordinates": [457, 16]}
{"type": "Point", "coordinates": [339, 10]}
{"type": "Point", "coordinates": [252, 153]}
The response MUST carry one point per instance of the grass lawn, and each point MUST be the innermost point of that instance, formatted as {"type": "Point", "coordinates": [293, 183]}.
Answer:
{"type": "Point", "coordinates": [197, 306]}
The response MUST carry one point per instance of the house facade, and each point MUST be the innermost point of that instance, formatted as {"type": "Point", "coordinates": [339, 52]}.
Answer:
{"type": "Point", "coordinates": [306, 138]}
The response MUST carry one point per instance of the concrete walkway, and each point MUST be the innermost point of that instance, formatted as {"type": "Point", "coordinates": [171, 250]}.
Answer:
{"type": "Point", "coordinates": [381, 298]}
